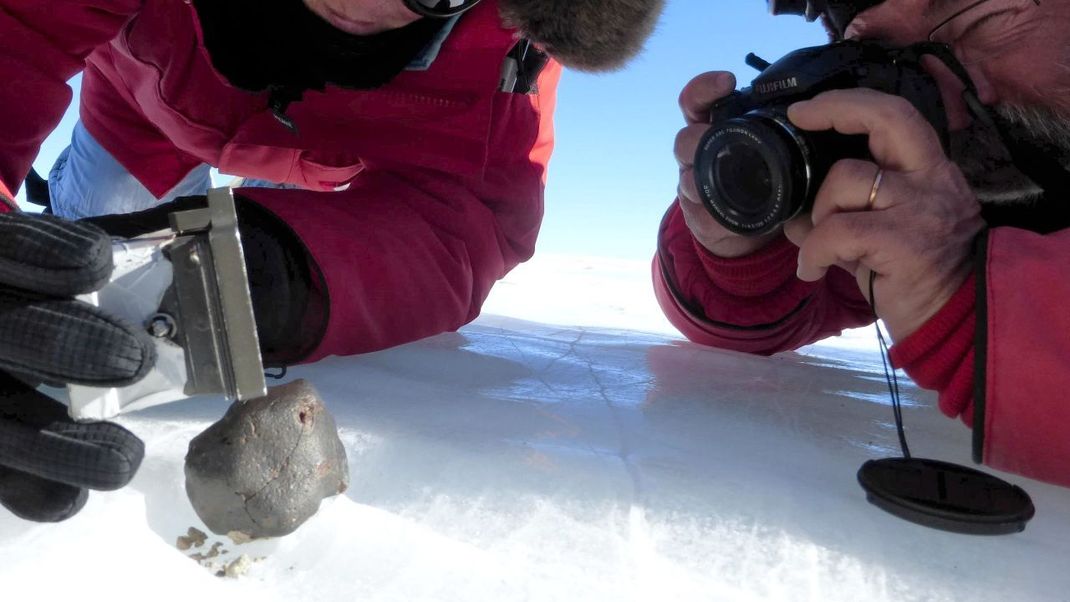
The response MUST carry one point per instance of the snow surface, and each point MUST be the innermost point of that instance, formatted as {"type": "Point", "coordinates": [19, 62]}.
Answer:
{"type": "Point", "coordinates": [521, 460]}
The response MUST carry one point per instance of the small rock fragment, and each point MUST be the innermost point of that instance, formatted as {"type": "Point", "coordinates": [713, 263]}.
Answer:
{"type": "Point", "coordinates": [263, 469]}
{"type": "Point", "coordinates": [211, 553]}
{"type": "Point", "coordinates": [238, 567]}
{"type": "Point", "coordinates": [239, 538]}
{"type": "Point", "coordinates": [194, 538]}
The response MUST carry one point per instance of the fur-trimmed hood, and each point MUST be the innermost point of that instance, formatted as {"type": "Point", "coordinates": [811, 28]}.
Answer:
{"type": "Point", "coordinates": [589, 35]}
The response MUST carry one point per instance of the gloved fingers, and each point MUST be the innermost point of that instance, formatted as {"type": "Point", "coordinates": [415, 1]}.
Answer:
{"type": "Point", "coordinates": [102, 455]}
{"type": "Point", "coordinates": [32, 498]}
{"type": "Point", "coordinates": [68, 341]}
{"type": "Point", "coordinates": [53, 256]}
{"type": "Point", "coordinates": [38, 437]}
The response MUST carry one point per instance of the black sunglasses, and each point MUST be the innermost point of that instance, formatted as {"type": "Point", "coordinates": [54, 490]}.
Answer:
{"type": "Point", "coordinates": [439, 8]}
{"type": "Point", "coordinates": [839, 12]}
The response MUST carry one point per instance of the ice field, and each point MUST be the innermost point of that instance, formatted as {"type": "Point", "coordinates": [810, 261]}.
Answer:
{"type": "Point", "coordinates": [532, 459]}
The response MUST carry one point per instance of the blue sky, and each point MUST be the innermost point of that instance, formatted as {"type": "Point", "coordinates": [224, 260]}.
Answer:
{"type": "Point", "coordinates": [612, 174]}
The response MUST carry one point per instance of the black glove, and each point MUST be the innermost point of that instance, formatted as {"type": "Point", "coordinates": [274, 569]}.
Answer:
{"type": "Point", "coordinates": [46, 460]}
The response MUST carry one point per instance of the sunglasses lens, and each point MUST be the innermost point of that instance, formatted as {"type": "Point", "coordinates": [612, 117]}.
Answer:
{"type": "Point", "coordinates": [788, 7]}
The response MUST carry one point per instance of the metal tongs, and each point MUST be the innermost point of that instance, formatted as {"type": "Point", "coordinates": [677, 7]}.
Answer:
{"type": "Point", "coordinates": [188, 287]}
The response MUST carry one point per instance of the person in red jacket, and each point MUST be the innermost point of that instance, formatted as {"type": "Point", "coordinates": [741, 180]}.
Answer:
{"type": "Point", "coordinates": [969, 255]}
{"type": "Point", "coordinates": [407, 142]}
{"type": "Point", "coordinates": [419, 168]}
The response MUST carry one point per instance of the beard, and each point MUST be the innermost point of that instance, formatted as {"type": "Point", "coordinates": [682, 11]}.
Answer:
{"type": "Point", "coordinates": [980, 153]}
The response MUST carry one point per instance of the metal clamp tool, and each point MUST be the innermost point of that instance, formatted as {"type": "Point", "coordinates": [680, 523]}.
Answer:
{"type": "Point", "coordinates": [188, 287]}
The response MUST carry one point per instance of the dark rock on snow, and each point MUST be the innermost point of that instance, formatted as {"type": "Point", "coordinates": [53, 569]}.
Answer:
{"type": "Point", "coordinates": [265, 466]}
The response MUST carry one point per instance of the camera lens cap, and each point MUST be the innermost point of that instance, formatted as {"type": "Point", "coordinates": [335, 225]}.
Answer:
{"type": "Point", "coordinates": [946, 496]}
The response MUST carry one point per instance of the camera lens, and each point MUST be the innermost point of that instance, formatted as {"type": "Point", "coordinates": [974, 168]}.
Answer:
{"type": "Point", "coordinates": [741, 175]}
{"type": "Point", "coordinates": [752, 172]}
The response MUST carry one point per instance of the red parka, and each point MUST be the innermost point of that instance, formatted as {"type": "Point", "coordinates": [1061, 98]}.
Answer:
{"type": "Point", "coordinates": [443, 174]}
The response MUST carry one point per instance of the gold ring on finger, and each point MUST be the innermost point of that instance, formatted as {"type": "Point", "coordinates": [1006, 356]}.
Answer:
{"type": "Point", "coordinates": [873, 191]}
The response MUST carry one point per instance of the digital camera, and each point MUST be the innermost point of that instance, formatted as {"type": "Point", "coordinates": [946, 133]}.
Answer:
{"type": "Point", "coordinates": [755, 170]}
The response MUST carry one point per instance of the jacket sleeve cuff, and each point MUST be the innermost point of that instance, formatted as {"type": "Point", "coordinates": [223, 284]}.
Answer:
{"type": "Point", "coordinates": [756, 291]}
{"type": "Point", "coordinates": [7, 200]}
{"type": "Point", "coordinates": [940, 354]}
{"type": "Point", "coordinates": [289, 291]}
{"type": "Point", "coordinates": [757, 274]}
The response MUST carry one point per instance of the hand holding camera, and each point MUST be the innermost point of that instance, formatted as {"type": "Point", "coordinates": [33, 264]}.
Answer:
{"type": "Point", "coordinates": [908, 216]}
{"type": "Point", "coordinates": [845, 144]}
{"type": "Point", "coordinates": [696, 100]}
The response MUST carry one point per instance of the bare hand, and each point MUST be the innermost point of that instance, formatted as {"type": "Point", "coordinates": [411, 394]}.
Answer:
{"type": "Point", "coordinates": [917, 235]}
{"type": "Point", "coordinates": [696, 99]}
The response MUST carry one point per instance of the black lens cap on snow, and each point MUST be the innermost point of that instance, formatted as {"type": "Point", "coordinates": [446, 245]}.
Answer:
{"type": "Point", "coordinates": [946, 496]}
